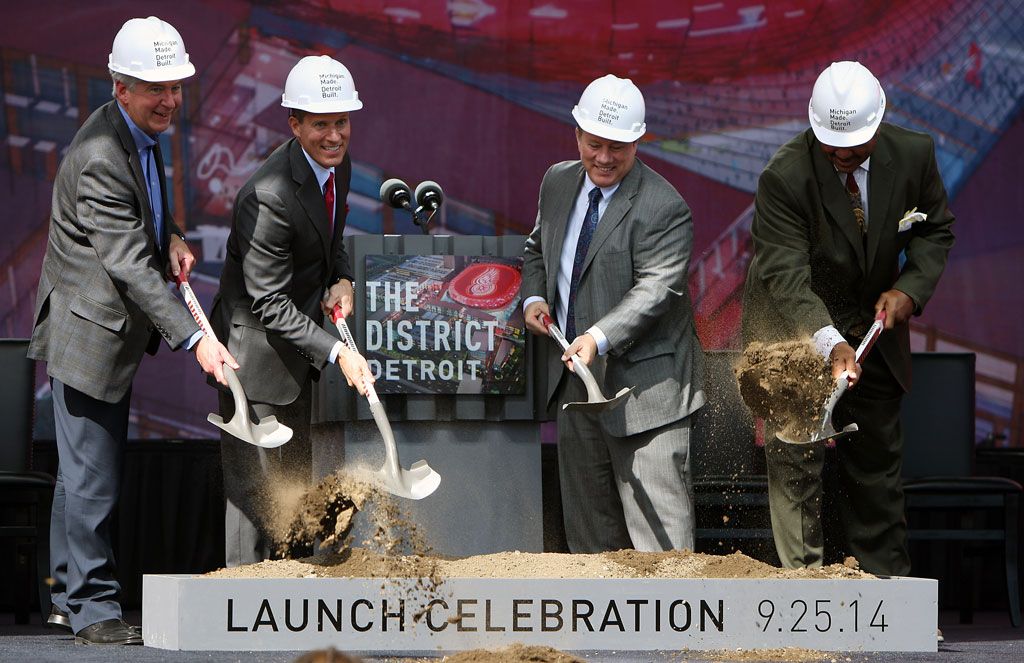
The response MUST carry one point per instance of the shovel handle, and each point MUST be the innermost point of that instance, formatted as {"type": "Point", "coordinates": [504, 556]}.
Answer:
{"type": "Point", "coordinates": [578, 364]}
{"type": "Point", "coordinates": [554, 331]}
{"type": "Point", "coordinates": [193, 306]}
{"type": "Point", "coordinates": [874, 331]}
{"type": "Point", "coordinates": [346, 336]}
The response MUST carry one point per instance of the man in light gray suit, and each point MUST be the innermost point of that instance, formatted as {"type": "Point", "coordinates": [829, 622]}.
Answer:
{"type": "Point", "coordinates": [285, 267]}
{"type": "Point", "coordinates": [610, 250]}
{"type": "Point", "coordinates": [102, 301]}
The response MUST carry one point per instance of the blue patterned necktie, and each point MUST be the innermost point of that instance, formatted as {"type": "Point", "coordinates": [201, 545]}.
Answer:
{"type": "Point", "coordinates": [582, 246]}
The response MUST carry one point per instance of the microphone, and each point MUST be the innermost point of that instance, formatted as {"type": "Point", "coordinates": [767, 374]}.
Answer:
{"type": "Point", "coordinates": [396, 193]}
{"type": "Point", "coordinates": [429, 195]}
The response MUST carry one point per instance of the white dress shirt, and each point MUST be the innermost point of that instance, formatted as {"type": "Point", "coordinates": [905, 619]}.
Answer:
{"type": "Point", "coordinates": [568, 255]}
{"type": "Point", "coordinates": [827, 338]}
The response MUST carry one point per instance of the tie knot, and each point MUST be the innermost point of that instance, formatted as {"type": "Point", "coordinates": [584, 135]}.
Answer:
{"type": "Point", "coordinates": [851, 183]}
{"type": "Point", "coordinates": [329, 182]}
{"type": "Point", "coordinates": [595, 195]}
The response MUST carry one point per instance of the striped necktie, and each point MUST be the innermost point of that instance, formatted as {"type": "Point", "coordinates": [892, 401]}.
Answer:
{"type": "Point", "coordinates": [582, 246]}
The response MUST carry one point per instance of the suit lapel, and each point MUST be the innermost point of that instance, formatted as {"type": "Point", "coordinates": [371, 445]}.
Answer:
{"type": "Point", "coordinates": [880, 186]}
{"type": "Point", "coordinates": [561, 208]}
{"type": "Point", "coordinates": [135, 165]}
{"type": "Point", "coordinates": [836, 201]}
{"type": "Point", "coordinates": [621, 202]}
{"type": "Point", "coordinates": [309, 195]}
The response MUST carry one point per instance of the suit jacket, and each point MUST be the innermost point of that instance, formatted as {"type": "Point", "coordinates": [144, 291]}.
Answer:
{"type": "Point", "coordinates": [633, 287]}
{"type": "Point", "coordinates": [811, 268]}
{"type": "Point", "coordinates": [280, 260]}
{"type": "Point", "coordinates": [102, 295]}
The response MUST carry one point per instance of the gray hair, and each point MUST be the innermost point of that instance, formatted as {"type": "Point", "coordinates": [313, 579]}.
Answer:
{"type": "Point", "coordinates": [128, 81]}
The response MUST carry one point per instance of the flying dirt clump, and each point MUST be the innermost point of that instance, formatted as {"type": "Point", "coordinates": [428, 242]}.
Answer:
{"type": "Point", "coordinates": [786, 384]}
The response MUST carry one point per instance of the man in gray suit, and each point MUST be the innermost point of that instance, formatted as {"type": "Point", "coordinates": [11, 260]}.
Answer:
{"type": "Point", "coordinates": [285, 267]}
{"type": "Point", "coordinates": [610, 249]}
{"type": "Point", "coordinates": [102, 301]}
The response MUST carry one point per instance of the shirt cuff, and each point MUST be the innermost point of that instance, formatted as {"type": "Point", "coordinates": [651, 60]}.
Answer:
{"type": "Point", "coordinates": [191, 341]}
{"type": "Point", "coordinates": [602, 340]}
{"type": "Point", "coordinates": [335, 351]}
{"type": "Point", "coordinates": [827, 338]}
{"type": "Point", "coordinates": [530, 300]}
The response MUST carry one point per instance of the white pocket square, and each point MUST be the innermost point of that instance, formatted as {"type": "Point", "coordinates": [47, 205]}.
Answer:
{"type": "Point", "coordinates": [910, 217]}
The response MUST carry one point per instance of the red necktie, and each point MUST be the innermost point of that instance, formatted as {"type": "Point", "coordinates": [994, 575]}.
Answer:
{"type": "Point", "coordinates": [329, 202]}
{"type": "Point", "coordinates": [851, 184]}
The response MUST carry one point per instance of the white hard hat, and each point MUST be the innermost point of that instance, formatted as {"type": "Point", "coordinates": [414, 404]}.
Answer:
{"type": "Point", "coordinates": [320, 84]}
{"type": "Point", "coordinates": [151, 50]}
{"type": "Point", "coordinates": [846, 106]}
{"type": "Point", "coordinates": [612, 108]}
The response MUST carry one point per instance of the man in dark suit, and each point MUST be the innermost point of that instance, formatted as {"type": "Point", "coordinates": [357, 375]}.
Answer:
{"type": "Point", "coordinates": [850, 219]}
{"type": "Point", "coordinates": [102, 301]}
{"type": "Point", "coordinates": [285, 267]}
{"type": "Point", "coordinates": [610, 252]}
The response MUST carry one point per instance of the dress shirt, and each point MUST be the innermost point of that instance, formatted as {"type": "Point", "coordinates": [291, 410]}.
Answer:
{"type": "Point", "coordinates": [568, 255]}
{"type": "Point", "coordinates": [827, 338]}
{"type": "Point", "coordinates": [144, 143]}
{"type": "Point", "coordinates": [321, 178]}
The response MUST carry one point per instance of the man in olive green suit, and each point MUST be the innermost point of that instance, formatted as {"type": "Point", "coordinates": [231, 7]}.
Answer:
{"type": "Point", "coordinates": [835, 209]}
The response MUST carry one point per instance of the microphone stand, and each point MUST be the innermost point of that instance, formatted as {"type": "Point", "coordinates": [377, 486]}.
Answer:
{"type": "Point", "coordinates": [417, 218]}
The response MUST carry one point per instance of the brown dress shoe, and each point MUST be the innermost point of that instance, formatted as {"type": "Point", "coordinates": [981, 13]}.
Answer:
{"type": "Point", "coordinates": [109, 632]}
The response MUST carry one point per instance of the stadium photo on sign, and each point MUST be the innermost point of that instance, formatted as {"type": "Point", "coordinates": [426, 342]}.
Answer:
{"type": "Point", "coordinates": [443, 324]}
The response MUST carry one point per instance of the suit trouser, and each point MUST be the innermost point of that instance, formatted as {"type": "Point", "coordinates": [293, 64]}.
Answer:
{"type": "Point", "coordinates": [865, 494]}
{"type": "Point", "coordinates": [91, 437]}
{"type": "Point", "coordinates": [250, 474]}
{"type": "Point", "coordinates": [622, 492]}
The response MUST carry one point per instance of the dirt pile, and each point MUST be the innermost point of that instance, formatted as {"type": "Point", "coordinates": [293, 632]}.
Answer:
{"type": "Point", "coordinates": [363, 563]}
{"type": "Point", "coordinates": [786, 384]}
{"type": "Point", "coordinates": [513, 654]}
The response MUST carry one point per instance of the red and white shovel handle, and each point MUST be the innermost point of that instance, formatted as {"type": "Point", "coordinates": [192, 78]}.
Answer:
{"type": "Point", "coordinates": [193, 305]}
{"type": "Point", "coordinates": [346, 336]}
{"type": "Point", "coordinates": [874, 331]}
{"type": "Point", "coordinates": [554, 331]}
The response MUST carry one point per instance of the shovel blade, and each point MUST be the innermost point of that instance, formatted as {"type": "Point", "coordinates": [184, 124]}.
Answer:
{"type": "Point", "coordinates": [822, 436]}
{"type": "Point", "coordinates": [417, 482]}
{"type": "Point", "coordinates": [602, 405]}
{"type": "Point", "coordinates": [269, 433]}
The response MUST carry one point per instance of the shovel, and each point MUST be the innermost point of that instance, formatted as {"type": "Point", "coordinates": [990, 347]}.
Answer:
{"type": "Point", "coordinates": [827, 431]}
{"type": "Point", "coordinates": [269, 432]}
{"type": "Point", "coordinates": [596, 402]}
{"type": "Point", "coordinates": [419, 480]}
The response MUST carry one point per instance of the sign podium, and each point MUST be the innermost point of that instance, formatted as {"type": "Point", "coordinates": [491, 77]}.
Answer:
{"type": "Point", "coordinates": [485, 446]}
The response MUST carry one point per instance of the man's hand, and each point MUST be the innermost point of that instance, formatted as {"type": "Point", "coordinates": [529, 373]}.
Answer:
{"type": "Point", "coordinates": [585, 349]}
{"type": "Point", "coordinates": [212, 356]}
{"type": "Point", "coordinates": [898, 307]}
{"type": "Point", "coordinates": [844, 358]}
{"type": "Point", "coordinates": [180, 258]}
{"type": "Point", "coordinates": [342, 294]}
{"type": "Point", "coordinates": [355, 369]}
{"type": "Point", "coordinates": [534, 316]}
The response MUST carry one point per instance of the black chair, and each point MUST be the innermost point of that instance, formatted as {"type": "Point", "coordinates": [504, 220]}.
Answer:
{"type": "Point", "coordinates": [944, 501]}
{"type": "Point", "coordinates": [729, 476]}
{"type": "Point", "coordinates": [25, 496]}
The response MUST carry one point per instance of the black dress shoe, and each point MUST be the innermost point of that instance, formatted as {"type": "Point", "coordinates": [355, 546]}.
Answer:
{"type": "Point", "coordinates": [58, 618]}
{"type": "Point", "coordinates": [109, 632]}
